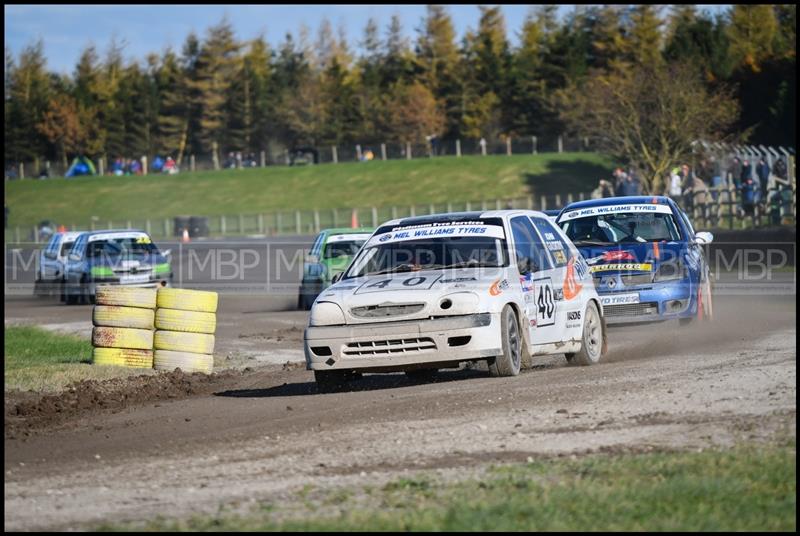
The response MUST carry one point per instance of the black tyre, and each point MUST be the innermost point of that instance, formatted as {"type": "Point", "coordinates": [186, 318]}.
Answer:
{"type": "Point", "coordinates": [331, 381]}
{"type": "Point", "coordinates": [593, 339]}
{"type": "Point", "coordinates": [62, 291]}
{"type": "Point", "coordinates": [509, 362]}
{"type": "Point", "coordinates": [71, 299]}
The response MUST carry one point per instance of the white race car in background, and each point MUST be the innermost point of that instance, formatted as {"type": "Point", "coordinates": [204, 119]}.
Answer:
{"type": "Point", "coordinates": [430, 292]}
{"type": "Point", "coordinates": [51, 262]}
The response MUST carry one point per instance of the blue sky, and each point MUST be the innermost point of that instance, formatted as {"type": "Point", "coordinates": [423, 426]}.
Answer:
{"type": "Point", "coordinates": [67, 30]}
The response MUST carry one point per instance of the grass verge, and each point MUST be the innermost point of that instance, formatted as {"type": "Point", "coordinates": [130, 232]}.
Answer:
{"type": "Point", "coordinates": [42, 361]}
{"type": "Point", "coordinates": [252, 191]}
{"type": "Point", "coordinates": [747, 488]}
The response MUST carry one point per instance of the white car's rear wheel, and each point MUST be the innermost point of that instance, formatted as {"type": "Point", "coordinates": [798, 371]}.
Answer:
{"type": "Point", "coordinates": [508, 363]}
{"type": "Point", "coordinates": [592, 339]}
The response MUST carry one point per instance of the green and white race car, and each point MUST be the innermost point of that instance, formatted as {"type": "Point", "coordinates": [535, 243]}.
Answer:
{"type": "Point", "coordinates": [331, 254]}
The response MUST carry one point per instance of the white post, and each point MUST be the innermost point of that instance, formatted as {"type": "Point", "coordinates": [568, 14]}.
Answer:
{"type": "Point", "coordinates": [21, 170]}
{"type": "Point", "coordinates": [508, 146]}
{"type": "Point", "coordinates": [358, 152]}
{"type": "Point", "coordinates": [101, 166]}
{"type": "Point", "coordinates": [534, 140]}
{"type": "Point", "coordinates": [335, 155]}
{"type": "Point", "coordinates": [374, 217]}
{"type": "Point", "coordinates": [261, 221]}
{"type": "Point", "coordinates": [408, 150]}
{"type": "Point", "coordinates": [383, 151]}
{"type": "Point", "coordinates": [191, 163]}
{"type": "Point", "coordinates": [316, 221]}
{"type": "Point", "coordinates": [297, 222]}
{"type": "Point", "coordinates": [458, 148]}
{"type": "Point", "coordinates": [263, 159]}
{"type": "Point", "coordinates": [560, 144]}
{"type": "Point", "coordinates": [144, 165]}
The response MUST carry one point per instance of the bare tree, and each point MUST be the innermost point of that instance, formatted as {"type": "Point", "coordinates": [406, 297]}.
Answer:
{"type": "Point", "coordinates": [649, 115]}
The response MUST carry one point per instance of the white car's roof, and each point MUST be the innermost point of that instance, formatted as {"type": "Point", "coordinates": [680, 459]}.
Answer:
{"type": "Point", "coordinates": [70, 235]}
{"type": "Point", "coordinates": [464, 216]}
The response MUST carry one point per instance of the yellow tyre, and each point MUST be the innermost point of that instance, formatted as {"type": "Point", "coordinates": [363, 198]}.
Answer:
{"type": "Point", "coordinates": [123, 357]}
{"type": "Point", "coordinates": [186, 361]}
{"type": "Point", "coordinates": [187, 300]}
{"type": "Point", "coordinates": [137, 339]}
{"type": "Point", "coordinates": [115, 316]}
{"type": "Point", "coordinates": [196, 343]}
{"type": "Point", "coordinates": [126, 296]}
{"type": "Point", "coordinates": [187, 321]}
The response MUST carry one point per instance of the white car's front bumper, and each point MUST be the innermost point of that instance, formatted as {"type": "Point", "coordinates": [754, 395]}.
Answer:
{"type": "Point", "coordinates": [394, 346]}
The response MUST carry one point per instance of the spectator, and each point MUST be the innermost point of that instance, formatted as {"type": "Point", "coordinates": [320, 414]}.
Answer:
{"type": "Point", "coordinates": [230, 162]}
{"type": "Point", "coordinates": [630, 186]}
{"type": "Point", "coordinates": [698, 192]}
{"type": "Point", "coordinates": [170, 166]}
{"type": "Point", "coordinates": [687, 179]}
{"type": "Point", "coordinates": [135, 167]}
{"type": "Point", "coordinates": [762, 171]}
{"type": "Point", "coordinates": [619, 180]}
{"type": "Point", "coordinates": [604, 189]}
{"type": "Point", "coordinates": [118, 167]}
{"type": "Point", "coordinates": [675, 189]}
{"type": "Point", "coordinates": [715, 172]}
{"type": "Point", "coordinates": [158, 164]}
{"type": "Point", "coordinates": [748, 189]}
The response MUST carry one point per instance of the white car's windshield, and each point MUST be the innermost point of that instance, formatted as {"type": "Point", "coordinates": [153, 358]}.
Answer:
{"type": "Point", "coordinates": [431, 246]}
{"type": "Point", "coordinates": [615, 225]}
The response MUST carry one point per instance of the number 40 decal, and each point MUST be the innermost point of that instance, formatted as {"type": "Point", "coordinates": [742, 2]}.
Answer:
{"type": "Point", "coordinates": [545, 302]}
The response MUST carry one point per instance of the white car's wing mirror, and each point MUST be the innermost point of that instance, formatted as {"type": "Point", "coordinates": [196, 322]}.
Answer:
{"type": "Point", "coordinates": [703, 238]}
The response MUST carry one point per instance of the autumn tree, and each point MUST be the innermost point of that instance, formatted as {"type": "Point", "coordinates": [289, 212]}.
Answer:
{"type": "Point", "coordinates": [650, 116]}
{"type": "Point", "coordinates": [414, 113]}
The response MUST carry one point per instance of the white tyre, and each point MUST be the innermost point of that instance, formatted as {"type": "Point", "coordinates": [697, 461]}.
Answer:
{"type": "Point", "coordinates": [116, 316]}
{"type": "Point", "coordinates": [126, 296]}
{"type": "Point", "coordinates": [186, 321]}
{"type": "Point", "coordinates": [187, 300]}
{"type": "Point", "coordinates": [196, 343]}
{"type": "Point", "coordinates": [137, 339]}
{"type": "Point", "coordinates": [186, 361]}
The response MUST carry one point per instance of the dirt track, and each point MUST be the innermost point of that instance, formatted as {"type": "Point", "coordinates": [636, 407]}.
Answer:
{"type": "Point", "coordinates": [264, 433]}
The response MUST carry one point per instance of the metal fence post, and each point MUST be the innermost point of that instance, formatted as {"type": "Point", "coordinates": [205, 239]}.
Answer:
{"type": "Point", "coordinates": [458, 148]}
{"type": "Point", "coordinates": [222, 229]}
{"type": "Point", "coordinates": [408, 150]}
{"type": "Point", "coordinates": [241, 223]}
{"type": "Point", "coordinates": [316, 221]}
{"type": "Point", "coordinates": [260, 224]}
{"type": "Point", "coordinates": [298, 222]}
{"type": "Point", "coordinates": [413, 211]}
{"type": "Point", "coordinates": [558, 200]}
{"type": "Point", "coordinates": [394, 212]}
{"type": "Point", "coordinates": [374, 216]}
{"type": "Point", "coordinates": [508, 146]}
{"type": "Point", "coordinates": [147, 226]}
{"type": "Point", "coordinates": [534, 140]}
{"type": "Point", "coordinates": [144, 165]}
{"type": "Point", "coordinates": [21, 170]}
{"type": "Point", "coordinates": [544, 203]}
{"type": "Point", "coordinates": [101, 166]}
{"type": "Point", "coordinates": [191, 163]}
{"type": "Point", "coordinates": [166, 228]}
{"type": "Point", "coordinates": [335, 155]}
{"type": "Point", "coordinates": [263, 159]}
{"type": "Point", "coordinates": [383, 151]}
{"type": "Point", "coordinates": [560, 144]}
{"type": "Point", "coordinates": [358, 152]}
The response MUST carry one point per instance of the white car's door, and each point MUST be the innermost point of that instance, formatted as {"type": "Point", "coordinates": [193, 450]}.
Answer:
{"type": "Point", "coordinates": [571, 273]}
{"type": "Point", "coordinates": [539, 280]}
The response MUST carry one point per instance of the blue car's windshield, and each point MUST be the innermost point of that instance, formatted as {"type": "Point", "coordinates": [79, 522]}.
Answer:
{"type": "Point", "coordinates": [120, 247]}
{"type": "Point", "coordinates": [621, 227]}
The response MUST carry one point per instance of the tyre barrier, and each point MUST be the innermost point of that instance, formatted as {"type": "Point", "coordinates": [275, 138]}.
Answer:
{"type": "Point", "coordinates": [123, 357]}
{"type": "Point", "coordinates": [186, 361]}
{"type": "Point", "coordinates": [187, 300]}
{"type": "Point", "coordinates": [163, 329]}
{"type": "Point", "coordinates": [126, 296]}
{"type": "Point", "coordinates": [115, 316]}
{"type": "Point", "coordinates": [177, 341]}
{"type": "Point", "coordinates": [130, 338]}
{"type": "Point", "coordinates": [185, 321]}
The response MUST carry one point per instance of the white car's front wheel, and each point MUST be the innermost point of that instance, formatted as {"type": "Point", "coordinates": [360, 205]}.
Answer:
{"type": "Point", "coordinates": [593, 337]}
{"type": "Point", "coordinates": [508, 363]}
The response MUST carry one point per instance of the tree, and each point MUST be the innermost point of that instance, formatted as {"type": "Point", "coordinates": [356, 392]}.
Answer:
{"type": "Point", "coordinates": [645, 42]}
{"type": "Point", "coordinates": [650, 116]}
{"type": "Point", "coordinates": [65, 125]}
{"type": "Point", "coordinates": [414, 113]}
{"type": "Point", "coordinates": [27, 97]}
{"type": "Point", "coordinates": [752, 33]}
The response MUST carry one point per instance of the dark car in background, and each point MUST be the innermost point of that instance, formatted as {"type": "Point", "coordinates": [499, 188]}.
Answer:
{"type": "Point", "coordinates": [121, 257]}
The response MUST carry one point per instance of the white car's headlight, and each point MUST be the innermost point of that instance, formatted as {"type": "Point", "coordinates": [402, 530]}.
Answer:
{"type": "Point", "coordinates": [326, 314]}
{"type": "Point", "coordinates": [458, 303]}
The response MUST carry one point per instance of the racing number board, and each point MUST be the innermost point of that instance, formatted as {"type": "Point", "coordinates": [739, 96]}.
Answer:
{"type": "Point", "coordinates": [545, 302]}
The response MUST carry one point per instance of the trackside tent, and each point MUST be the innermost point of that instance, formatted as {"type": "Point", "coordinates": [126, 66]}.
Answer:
{"type": "Point", "coordinates": [81, 166]}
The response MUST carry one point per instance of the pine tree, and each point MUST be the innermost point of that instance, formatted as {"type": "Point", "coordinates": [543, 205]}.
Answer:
{"type": "Point", "coordinates": [27, 99]}
{"type": "Point", "coordinates": [752, 32]}
{"type": "Point", "coordinates": [645, 40]}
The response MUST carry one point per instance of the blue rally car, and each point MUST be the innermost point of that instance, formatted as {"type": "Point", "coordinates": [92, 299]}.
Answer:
{"type": "Point", "coordinates": [647, 261]}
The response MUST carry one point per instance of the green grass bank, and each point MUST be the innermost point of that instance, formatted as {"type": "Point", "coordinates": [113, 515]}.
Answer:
{"type": "Point", "coordinates": [251, 191]}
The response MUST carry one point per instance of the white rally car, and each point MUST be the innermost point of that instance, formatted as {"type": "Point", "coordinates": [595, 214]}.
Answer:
{"type": "Point", "coordinates": [432, 291]}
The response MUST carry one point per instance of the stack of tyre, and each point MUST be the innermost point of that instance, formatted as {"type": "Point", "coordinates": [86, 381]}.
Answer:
{"type": "Point", "coordinates": [123, 319]}
{"type": "Point", "coordinates": [185, 322]}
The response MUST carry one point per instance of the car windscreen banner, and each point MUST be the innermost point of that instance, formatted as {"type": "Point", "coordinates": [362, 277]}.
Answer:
{"type": "Point", "coordinates": [434, 231]}
{"type": "Point", "coordinates": [119, 236]}
{"type": "Point", "coordinates": [351, 237]}
{"type": "Point", "coordinates": [653, 208]}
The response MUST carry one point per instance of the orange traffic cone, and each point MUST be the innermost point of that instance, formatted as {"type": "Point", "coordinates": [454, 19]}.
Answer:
{"type": "Point", "coordinates": [354, 219]}
{"type": "Point", "coordinates": [185, 238]}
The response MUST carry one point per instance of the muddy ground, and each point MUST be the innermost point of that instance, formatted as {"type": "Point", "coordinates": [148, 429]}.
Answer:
{"type": "Point", "coordinates": [180, 444]}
